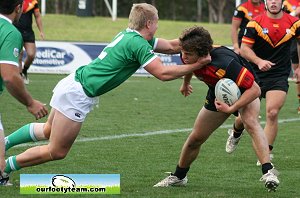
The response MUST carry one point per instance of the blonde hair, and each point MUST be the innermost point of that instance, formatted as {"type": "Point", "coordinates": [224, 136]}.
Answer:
{"type": "Point", "coordinates": [139, 15]}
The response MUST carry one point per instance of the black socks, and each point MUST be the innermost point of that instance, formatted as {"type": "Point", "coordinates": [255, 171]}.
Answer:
{"type": "Point", "coordinates": [181, 172]}
{"type": "Point", "coordinates": [266, 167]}
{"type": "Point", "coordinates": [237, 132]}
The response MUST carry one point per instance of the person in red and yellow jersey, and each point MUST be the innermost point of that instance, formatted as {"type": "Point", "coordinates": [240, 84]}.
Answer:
{"type": "Point", "coordinates": [293, 8]}
{"type": "Point", "coordinates": [266, 44]}
{"type": "Point", "coordinates": [30, 8]}
{"type": "Point", "coordinates": [242, 15]}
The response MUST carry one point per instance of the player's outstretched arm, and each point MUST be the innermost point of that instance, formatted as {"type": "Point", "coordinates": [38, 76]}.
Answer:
{"type": "Point", "coordinates": [168, 46]}
{"type": "Point", "coordinates": [170, 72]}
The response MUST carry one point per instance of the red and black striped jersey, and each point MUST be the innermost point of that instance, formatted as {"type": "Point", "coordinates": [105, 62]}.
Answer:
{"type": "Point", "coordinates": [25, 21]}
{"type": "Point", "coordinates": [271, 40]}
{"type": "Point", "coordinates": [30, 5]}
{"type": "Point", "coordinates": [226, 64]}
{"type": "Point", "coordinates": [245, 12]}
{"type": "Point", "coordinates": [291, 5]}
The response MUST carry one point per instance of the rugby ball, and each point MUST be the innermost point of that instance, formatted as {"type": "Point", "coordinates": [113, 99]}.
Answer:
{"type": "Point", "coordinates": [62, 181]}
{"type": "Point", "coordinates": [227, 91]}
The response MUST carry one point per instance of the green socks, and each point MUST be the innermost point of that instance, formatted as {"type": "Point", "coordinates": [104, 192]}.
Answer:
{"type": "Point", "coordinates": [11, 165]}
{"type": "Point", "coordinates": [22, 135]}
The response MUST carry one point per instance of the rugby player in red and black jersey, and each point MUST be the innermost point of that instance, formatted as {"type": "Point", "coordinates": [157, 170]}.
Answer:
{"type": "Point", "coordinates": [293, 8]}
{"type": "Point", "coordinates": [242, 15]}
{"type": "Point", "coordinates": [30, 8]}
{"type": "Point", "coordinates": [196, 42]}
{"type": "Point", "coordinates": [266, 44]}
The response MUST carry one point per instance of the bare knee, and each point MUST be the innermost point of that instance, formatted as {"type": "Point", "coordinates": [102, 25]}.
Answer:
{"type": "Point", "coordinates": [195, 141]}
{"type": "Point", "coordinates": [272, 114]}
{"type": "Point", "coordinates": [57, 154]}
{"type": "Point", "coordinates": [47, 130]}
{"type": "Point", "coordinates": [252, 125]}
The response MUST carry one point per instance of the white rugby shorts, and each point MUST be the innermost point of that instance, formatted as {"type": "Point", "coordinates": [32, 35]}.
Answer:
{"type": "Point", "coordinates": [70, 99]}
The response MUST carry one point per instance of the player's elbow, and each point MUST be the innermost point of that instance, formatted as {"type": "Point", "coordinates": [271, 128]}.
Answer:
{"type": "Point", "coordinates": [256, 90]}
{"type": "Point", "coordinates": [164, 77]}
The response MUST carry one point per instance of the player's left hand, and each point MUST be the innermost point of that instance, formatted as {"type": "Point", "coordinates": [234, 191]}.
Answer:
{"type": "Point", "coordinates": [223, 107]}
{"type": "Point", "coordinates": [186, 89]}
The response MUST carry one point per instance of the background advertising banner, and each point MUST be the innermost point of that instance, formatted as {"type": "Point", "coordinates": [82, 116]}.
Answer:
{"type": "Point", "coordinates": [65, 57]}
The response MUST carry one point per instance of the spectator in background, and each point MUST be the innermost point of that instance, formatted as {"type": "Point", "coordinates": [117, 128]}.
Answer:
{"type": "Point", "coordinates": [10, 47]}
{"type": "Point", "coordinates": [242, 15]}
{"type": "Point", "coordinates": [293, 8]}
{"type": "Point", "coordinates": [30, 7]}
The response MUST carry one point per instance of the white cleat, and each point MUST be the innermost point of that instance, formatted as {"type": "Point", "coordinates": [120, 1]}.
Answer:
{"type": "Point", "coordinates": [232, 142]}
{"type": "Point", "coordinates": [4, 179]}
{"type": "Point", "coordinates": [171, 180]}
{"type": "Point", "coordinates": [25, 78]}
{"type": "Point", "coordinates": [271, 179]}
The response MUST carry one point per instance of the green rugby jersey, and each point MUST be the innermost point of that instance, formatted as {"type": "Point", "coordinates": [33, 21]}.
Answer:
{"type": "Point", "coordinates": [11, 43]}
{"type": "Point", "coordinates": [116, 63]}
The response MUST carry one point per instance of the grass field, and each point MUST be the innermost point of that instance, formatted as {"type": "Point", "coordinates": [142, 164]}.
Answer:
{"type": "Point", "coordinates": [103, 29]}
{"type": "Point", "coordinates": [138, 131]}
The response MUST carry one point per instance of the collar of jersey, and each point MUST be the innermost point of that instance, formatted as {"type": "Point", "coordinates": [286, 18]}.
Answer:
{"type": "Point", "coordinates": [132, 30]}
{"type": "Point", "coordinates": [4, 17]}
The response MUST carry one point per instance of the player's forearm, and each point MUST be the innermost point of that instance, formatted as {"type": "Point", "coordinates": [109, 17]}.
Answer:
{"type": "Point", "coordinates": [168, 46]}
{"type": "Point", "coordinates": [39, 24]}
{"type": "Point", "coordinates": [16, 88]}
{"type": "Point", "coordinates": [234, 38]}
{"type": "Point", "coordinates": [187, 78]}
{"type": "Point", "coordinates": [248, 96]}
{"type": "Point", "coordinates": [249, 54]}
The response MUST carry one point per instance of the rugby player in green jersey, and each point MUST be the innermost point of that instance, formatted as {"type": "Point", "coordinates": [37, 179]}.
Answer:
{"type": "Point", "coordinates": [75, 96]}
{"type": "Point", "coordinates": [10, 46]}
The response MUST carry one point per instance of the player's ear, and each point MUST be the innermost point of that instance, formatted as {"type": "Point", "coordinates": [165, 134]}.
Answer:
{"type": "Point", "coordinates": [19, 8]}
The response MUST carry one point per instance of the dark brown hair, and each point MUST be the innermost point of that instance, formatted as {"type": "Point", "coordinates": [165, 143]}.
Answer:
{"type": "Point", "coordinates": [196, 39]}
{"type": "Point", "coordinates": [8, 6]}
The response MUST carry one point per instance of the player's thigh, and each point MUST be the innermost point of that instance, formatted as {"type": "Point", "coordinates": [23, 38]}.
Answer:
{"type": "Point", "coordinates": [249, 113]}
{"type": "Point", "coordinates": [30, 48]}
{"type": "Point", "coordinates": [207, 122]}
{"type": "Point", "coordinates": [63, 132]}
{"type": "Point", "coordinates": [275, 99]}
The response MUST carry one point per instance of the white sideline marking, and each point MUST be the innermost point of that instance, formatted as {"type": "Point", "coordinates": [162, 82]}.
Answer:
{"type": "Point", "coordinates": [112, 137]}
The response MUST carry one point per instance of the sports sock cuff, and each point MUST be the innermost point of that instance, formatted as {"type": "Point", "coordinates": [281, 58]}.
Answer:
{"type": "Point", "coordinates": [237, 130]}
{"type": "Point", "coordinates": [181, 172]}
{"type": "Point", "coordinates": [31, 132]}
{"type": "Point", "coordinates": [271, 147]}
{"type": "Point", "coordinates": [11, 164]}
{"type": "Point", "coordinates": [266, 167]}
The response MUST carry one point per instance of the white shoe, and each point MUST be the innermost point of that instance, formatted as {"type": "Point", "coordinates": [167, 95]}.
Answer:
{"type": "Point", "coordinates": [171, 180]}
{"type": "Point", "coordinates": [232, 142]}
{"type": "Point", "coordinates": [25, 78]}
{"type": "Point", "coordinates": [4, 179]}
{"type": "Point", "coordinates": [271, 158]}
{"type": "Point", "coordinates": [271, 179]}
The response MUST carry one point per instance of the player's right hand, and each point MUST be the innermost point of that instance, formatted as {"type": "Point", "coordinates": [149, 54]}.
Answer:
{"type": "Point", "coordinates": [37, 109]}
{"type": "Point", "coordinates": [265, 65]}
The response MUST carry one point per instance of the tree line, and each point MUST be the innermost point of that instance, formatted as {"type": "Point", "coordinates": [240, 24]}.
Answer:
{"type": "Point", "coordinates": [212, 11]}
